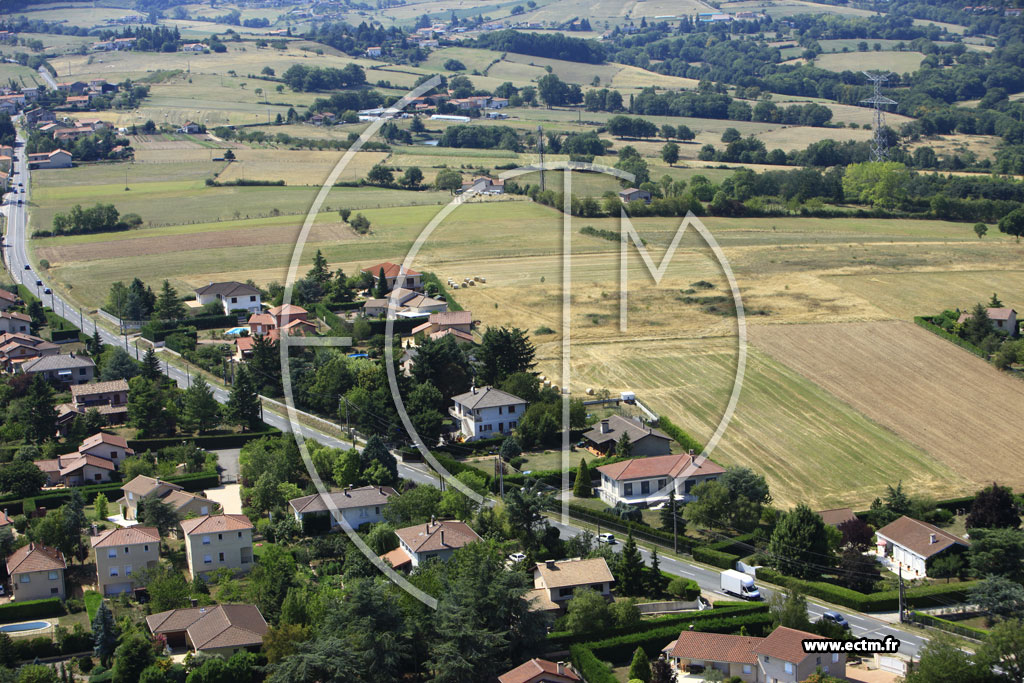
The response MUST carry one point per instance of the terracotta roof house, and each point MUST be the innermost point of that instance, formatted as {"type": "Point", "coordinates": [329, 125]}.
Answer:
{"type": "Point", "coordinates": [540, 671]}
{"type": "Point", "coordinates": [645, 439]}
{"type": "Point", "coordinates": [12, 321]}
{"type": "Point", "coordinates": [110, 446]}
{"type": "Point", "coordinates": [180, 500]}
{"type": "Point", "coordinates": [7, 299]}
{"type": "Point", "coordinates": [438, 322]}
{"type": "Point", "coordinates": [218, 630]}
{"type": "Point", "coordinates": [261, 323]}
{"type": "Point", "coordinates": [216, 541]}
{"type": "Point", "coordinates": [648, 481]}
{"type": "Point", "coordinates": [555, 581]}
{"type": "Point", "coordinates": [779, 657]}
{"type": "Point", "coordinates": [287, 313]}
{"type": "Point", "coordinates": [459, 336]}
{"type": "Point", "coordinates": [75, 469]}
{"type": "Point", "coordinates": [233, 295]}
{"type": "Point", "coordinates": [120, 553]}
{"type": "Point", "coordinates": [1004, 319]}
{"type": "Point", "coordinates": [17, 348]}
{"type": "Point", "coordinates": [36, 572]}
{"type": "Point", "coordinates": [837, 516]}
{"type": "Point", "coordinates": [358, 506]}
{"type": "Point", "coordinates": [435, 539]}
{"type": "Point", "coordinates": [912, 544]}
{"type": "Point", "coordinates": [413, 279]}
{"type": "Point", "coordinates": [484, 412]}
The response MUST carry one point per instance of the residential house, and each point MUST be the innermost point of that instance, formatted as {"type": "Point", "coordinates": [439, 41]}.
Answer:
{"type": "Point", "coordinates": [110, 446]}
{"type": "Point", "coordinates": [218, 541]}
{"type": "Point", "coordinates": [449, 320]}
{"type": "Point", "coordinates": [540, 671]}
{"type": "Point", "coordinates": [645, 440]}
{"type": "Point", "coordinates": [632, 194]}
{"type": "Point", "coordinates": [261, 324]}
{"type": "Point", "coordinates": [75, 469]}
{"type": "Point", "coordinates": [79, 101]}
{"type": "Point", "coordinates": [484, 412]}
{"type": "Point", "coordinates": [243, 348]}
{"type": "Point", "coordinates": [73, 87]}
{"type": "Point", "coordinates": [124, 43]}
{"type": "Point", "coordinates": [374, 51]}
{"type": "Point", "coordinates": [297, 328]}
{"type": "Point", "coordinates": [431, 540]}
{"type": "Point", "coordinates": [65, 369]}
{"type": "Point", "coordinates": [459, 336]}
{"type": "Point", "coordinates": [288, 313]}
{"type": "Point", "coordinates": [35, 117]}
{"type": "Point", "coordinates": [358, 506]}
{"type": "Point", "coordinates": [8, 107]}
{"type": "Point", "coordinates": [218, 630]}
{"type": "Point", "coordinates": [37, 572]}
{"type": "Point", "coordinates": [554, 582]}
{"type": "Point", "coordinates": [109, 398]}
{"type": "Point", "coordinates": [16, 348]}
{"type": "Point", "coordinates": [189, 128]}
{"type": "Point", "coordinates": [235, 296]}
{"type": "Point", "coordinates": [193, 47]}
{"type": "Point", "coordinates": [120, 553]}
{"type": "Point", "coordinates": [58, 158]}
{"type": "Point", "coordinates": [648, 481]}
{"type": "Point", "coordinates": [182, 502]}
{"type": "Point", "coordinates": [12, 321]}
{"type": "Point", "coordinates": [1004, 319]}
{"type": "Point", "coordinates": [407, 304]}
{"type": "Point", "coordinates": [837, 516]}
{"type": "Point", "coordinates": [413, 279]}
{"type": "Point", "coordinates": [497, 103]}
{"type": "Point", "coordinates": [911, 544]}
{"type": "Point", "coordinates": [485, 185]}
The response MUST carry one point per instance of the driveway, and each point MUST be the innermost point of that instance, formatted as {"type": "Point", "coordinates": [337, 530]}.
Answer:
{"type": "Point", "coordinates": [229, 496]}
{"type": "Point", "coordinates": [227, 461]}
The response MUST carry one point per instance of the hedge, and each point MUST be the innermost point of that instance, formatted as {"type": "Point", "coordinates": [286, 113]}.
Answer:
{"type": "Point", "coordinates": [402, 325]}
{"type": "Point", "coordinates": [948, 336]}
{"type": "Point", "coordinates": [681, 437]}
{"type": "Point", "coordinates": [934, 595]}
{"type": "Point", "coordinates": [947, 625]}
{"type": "Point", "coordinates": [589, 666]}
{"type": "Point", "coordinates": [621, 648]}
{"type": "Point", "coordinates": [640, 530]}
{"type": "Point", "coordinates": [158, 335]}
{"type": "Point", "coordinates": [716, 558]}
{"type": "Point", "coordinates": [453, 305]}
{"type": "Point", "coordinates": [28, 649]}
{"type": "Point", "coordinates": [31, 609]}
{"type": "Point", "coordinates": [208, 442]}
{"type": "Point", "coordinates": [347, 305]}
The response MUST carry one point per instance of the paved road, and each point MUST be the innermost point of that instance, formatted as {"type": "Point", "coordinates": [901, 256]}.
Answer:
{"type": "Point", "coordinates": [708, 579]}
{"type": "Point", "coordinates": [48, 77]}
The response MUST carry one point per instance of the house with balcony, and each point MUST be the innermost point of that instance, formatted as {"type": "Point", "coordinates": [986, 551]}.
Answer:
{"type": "Point", "coordinates": [110, 399]}
{"type": "Point", "coordinates": [213, 542]}
{"type": "Point", "coordinates": [484, 412]}
{"type": "Point", "coordinates": [357, 506]}
{"type": "Point", "coordinates": [37, 572]}
{"type": "Point", "coordinates": [66, 369]}
{"type": "Point", "coordinates": [120, 553]}
{"type": "Point", "coordinates": [648, 481]}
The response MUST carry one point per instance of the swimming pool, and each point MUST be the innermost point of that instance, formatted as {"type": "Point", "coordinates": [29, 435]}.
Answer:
{"type": "Point", "coordinates": [236, 330]}
{"type": "Point", "coordinates": [26, 626]}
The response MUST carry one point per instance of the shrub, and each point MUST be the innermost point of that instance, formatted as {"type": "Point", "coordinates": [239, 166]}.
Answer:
{"type": "Point", "coordinates": [31, 609]}
{"type": "Point", "coordinates": [683, 588]}
{"type": "Point", "coordinates": [715, 558]}
{"type": "Point", "coordinates": [589, 666]}
{"type": "Point", "coordinates": [85, 664]}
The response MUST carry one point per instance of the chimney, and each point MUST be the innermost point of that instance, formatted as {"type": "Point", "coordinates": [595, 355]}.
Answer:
{"type": "Point", "coordinates": [605, 428]}
{"type": "Point", "coordinates": [347, 494]}
{"type": "Point", "coordinates": [442, 536]}
{"type": "Point", "coordinates": [31, 545]}
{"type": "Point", "coordinates": [380, 490]}
{"type": "Point", "coordinates": [561, 668]}
{"type": "Point", "coordinates": [195, 603]}
{"type": "Point", "coordinates": [550, 564]}
{"type": "Point", "coordinates": [932, 539]}
{"type": "Point", "coordinates": [474, 389]}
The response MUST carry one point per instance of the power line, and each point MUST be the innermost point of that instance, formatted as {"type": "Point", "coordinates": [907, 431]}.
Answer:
{"type": "Point", "coordinates": [880, 143]}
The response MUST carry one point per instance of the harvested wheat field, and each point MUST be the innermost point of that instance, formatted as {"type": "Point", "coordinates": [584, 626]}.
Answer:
{"type": "Point", "coordinates": [955, 406]}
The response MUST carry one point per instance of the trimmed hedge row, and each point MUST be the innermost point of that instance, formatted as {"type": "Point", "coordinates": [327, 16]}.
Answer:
{"type": "Point", "coordinates": [32, 609]}
{"type": "Point", "coordinates": [589, 666]}
{"type": "Point", "coordinates": [209, 442]}
{"type": "Point", "coordinates": [962, 343]}
{"type": "Point", "coordinates": [934, 595]}
{"type": "Point", "coordinates": [453, 305]}
{"type": "Point", "coordinates": [947, 625]}
{"type": "Point", "coordinates": [621, 648]}
{"type": "Point", "coordinates": [154, 335]}
{"type": "Point", "coordinates": [28, 649]}
{"type": "Point", "coordinates": [681, 437]}
{"type": "Point", "coordinates": [641, 531]}
{"type": "Point", "coordinates": [716, 558]}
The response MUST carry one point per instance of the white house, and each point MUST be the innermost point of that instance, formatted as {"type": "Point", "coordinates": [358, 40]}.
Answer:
{"type": "Point", "coordinates": [648, 481]}
{"type": "Point", "coordinates": [193, 47]}
{"type": "Point", "coordinates": [485, 412]}
{"type": "Point", "coordinates": [233, 295]}
{"type": "Point", "coordinates": [911, 544]}
{"type": "Point", "coordinates": [374, 51]}
{"type": "Point", "coordinates": [358, 506]}
{"type": "Point", "coordinates": [1004, 319]}
{"type": "Point", "coordinates": [431, 540]}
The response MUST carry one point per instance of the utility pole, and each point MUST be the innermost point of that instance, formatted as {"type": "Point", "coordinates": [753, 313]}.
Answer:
{"type": "Point", "coordinates": [136, 349]}
{"type": "Point", "coordinates": [879, 144]}
{"type": "Point", "coordinates": [902, 595]}
{"type": "Point", "coordinates": [540, 150]}
{"type": "Point", "coordinates": [675, 533]}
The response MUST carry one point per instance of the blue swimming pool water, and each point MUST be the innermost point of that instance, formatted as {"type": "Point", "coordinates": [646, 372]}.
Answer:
{"type": "Point", "coordinates": [236, 330]}
{"type": "Point", "coordinates": [28, 626]}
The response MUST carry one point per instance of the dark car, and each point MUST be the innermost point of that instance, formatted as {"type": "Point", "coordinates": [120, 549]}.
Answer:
{"type": "Point", "coordinates": [47, 291]}
{"type": "Point", "coordinates": [39, 283]}
{"type": "Point", "coordinates": [836, 618]}
{"type": "Point", "coordinates": [28, 267]}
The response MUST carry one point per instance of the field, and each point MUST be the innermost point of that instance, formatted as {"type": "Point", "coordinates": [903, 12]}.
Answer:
{"type": "Point", "coordinates": [900, 62]}
{"type": "Point", "coordinates": [949, 414]}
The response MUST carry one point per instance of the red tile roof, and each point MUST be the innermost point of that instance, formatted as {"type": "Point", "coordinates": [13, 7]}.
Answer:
{"type": "Point", "coordinates": [716, 647]}
{"type": "Point", "coordinates": [786, 644]}
{"type": "Point", "coordinates": [538, 671]}
{"type": "Point", "coordinates": [660, 466]}
{"type": "Point", "coordinates": [35, 558]}
{"type": "Point", "coordinates": [442, 535]}
{"type": "Point", "coordinates": [390, 270]}
{"type": "Point", "coordinates": [132, 535]}
{"type": "Point", "coordinates": [211, 524]}
{"type": "Point", "coordinates": [916, 536]}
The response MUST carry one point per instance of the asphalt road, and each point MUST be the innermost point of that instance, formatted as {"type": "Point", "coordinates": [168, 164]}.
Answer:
{"type": "Point", "coordinates": [16, 257]}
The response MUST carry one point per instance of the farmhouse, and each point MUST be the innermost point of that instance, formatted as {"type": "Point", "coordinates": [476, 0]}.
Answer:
{"type": "Point", "coordinates": [219, 630]}
{"type": "Point", "coordinates": [485, 185]}
{"type": "Point", "coordinates": [1004, 319]}
{"type": "Point", "coordinates": [645, 440]}
{"type": "Point", "coordinates": [413, 279]}
{"type": "Point", "coordinates": [555, 582]}
{"type": "Point", "coordinates": [62, 369]}
{"type": "Point", "coordinates": [358, 506]}
{"type": "Point", "coordinates": [911, 545]}
{"type": "Point", "coordinates": [417, 544]}
{"type": "Point", "coordinates": [189, 128]}
{"type": "Point", "coordinates": [374, 51]}
{"type": "Point", "coordinates": [484, 412]}
{"type": "Point", "coordinates": [180, 501]}
{"type": "Point", "coordinates": [540, 671]}
{"type": "Point", "coordinates": [632, 194]}
{"type": "Point", "coordinates": [216, 541]}
{"type": "Point", "coordinates": [37, 572]}
{"type": "Point", "coordinates": [73, 87]}
{"type": "Point", "coordinates": [58, 158]}
{"type": "Point", "coordinates": [778, 658]}
{"type": "Point", "coordinates": [235, 296]}
{"type": "Point", "coordinates": [120, 552]}
{"type": "Point", "coordinates": [648, 481]}
{"type": "Point", "coordinates": [193, 47]}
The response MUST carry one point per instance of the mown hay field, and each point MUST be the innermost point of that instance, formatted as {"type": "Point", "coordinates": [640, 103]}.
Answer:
{"type": "Point", "coordinates": [956, 407]}
{"type": "Point", "coordinates": [900, 62]}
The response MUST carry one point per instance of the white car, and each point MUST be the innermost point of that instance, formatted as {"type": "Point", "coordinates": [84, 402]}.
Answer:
{"type": "Point", "coordinates": [606, 538]}
{"type": "Point", "coordinates": [516, 557]}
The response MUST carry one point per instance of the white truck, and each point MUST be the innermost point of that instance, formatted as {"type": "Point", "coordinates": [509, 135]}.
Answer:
{"type": "Point", "coordinates": [739, 584]}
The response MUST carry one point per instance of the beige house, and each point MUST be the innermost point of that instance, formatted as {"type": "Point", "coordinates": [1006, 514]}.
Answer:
{"type": "Point", "coordinates": [110, 446]}
{"type": "Point", "coordinates": [181, 501]}
{"type": "Point", "coordinates": [120, 553]}
{"type": "Point", "coordinates": [109, 398]}
{"type": "Point", "coordinates": [220, 630]}
{"type": "Point", "coordinates": [75, 469]}
{"type": "Point", "coordinates": [36, 572]}
{"type": "Point", "coordinates": [432, 540]}
{"type": "Point", "coordinates": [216, 541]}
{"type": "Point", "coordinates": [540, 671]}
{"type": "Point", "coordinates": [450, 320]}
{"type": "Point", "coordinates": [1004, 319]}
{"type": "Point", "coordinates": [555, 582]}
{"type": "Point", "coordinates": [412, 280]}
{"type": "Point", "coordinates": [911, 544]}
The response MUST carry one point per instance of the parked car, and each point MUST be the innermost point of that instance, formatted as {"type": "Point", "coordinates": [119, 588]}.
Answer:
{"type": "Point", "coordinates": [606, 538]}
{"type": "Point", "coordinates": [835, 618]}
{"type": "Point", "coordinates": [517, 557]}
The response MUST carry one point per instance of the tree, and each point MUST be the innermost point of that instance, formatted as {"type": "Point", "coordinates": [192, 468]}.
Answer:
{"type": "Point", "coordinates": [413, 507]}
{"type": "Point", "coordinates": [117, 364]}
{"type": "Point", "coordinates": [943, 660]}
{"type": "Point", "coordinates": [41, 412]}
{"type": "Point", "coordinates": [104, 634]}
{"type": "Point", "coordinates": [980, 229]}
{"type": "Point", "coordinates": [640, 668]}
{"type": "Point", "coordinates": [998, 552]}
{"type": "Point", "coordinates": [631, 568]}
{"type": "Point", "coordinates": [376, 453]}
{"type": "Point", "coordinates": [994, 508]}
{"type": "Point", "coordinates": [448, 179]}
{"type": "Point", "coordinates": [587, 612]}
{"type": "Point", "coordinates": [380, 175]}
{"type": "Point", "coordinates": [624, 447]}
{"type": "Point", "coordinates": [670, 510]}
{"type": "Point", "coordinates": [95, 345]}
{"type": "Point", "coordinates": [661, 671]}
{"type": "Point", "coordinates": [151, 365]}
{"type": "Point", "coordinates": [502, 352]}
{"type": "Point", "coordinates": [147, 409]}
{"type": "Point", "coordinates": [380, 288]}
{"type": "Point", "coordinates": [168, 305]}
{"type": "Point", "coordinates": [509, 449]}
{"type": "Point", "coordinates": [670, 153]}
{"type": "Point", "coordinates": [711, 504]}
{"type": "Point", "coordinates": [656, 581]}
{"type": "Point", "coordinates": [229, 155]}
{"type": "Point", "coordinates": [581, 487]}
{"type": "Point", "coordinates": [998, 596]}
{"type": "Point", "coordinates": [1013, 223]}
{"type": "Point", "coordinates": [947, 566]}
{"type": "Point", "coordinates": [37, 673]}
{"type": "Point", "coordinates": [742, 481]}
{"type": "Point", "coordinates": [133, 655]}
{"type": "Point", "coordinates": [283, 640]}
{"type": "Point", "coordinates": [1003, 649]}
{"type": "Point", "coordinates": [21, 479]}
{"type": "Point", "coordinates": [858, 571]}
{"type": "Point", "coordinates": [243, 407]}
{"type": "Point", "coordinates": [271, 579]}
{"type": "Point", "coordinates": [994, 302]}
{"type": "Point", "coordinates": [200, 409]}
{"type": "Point", "coordinates": [413, 176]}
{"type": "Point", "coordinates": [345, 469]}
{"type": "Point", "coordinates": [154, 512]}
{"type": "Point", "coordinates": [799, 545]}
{"type": "Point", "coordinates": [789, 609]}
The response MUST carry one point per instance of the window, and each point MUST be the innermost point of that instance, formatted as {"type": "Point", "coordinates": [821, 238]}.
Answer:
{"type": "Point", "coordinates": [499, 410]}
{"type": "Point", "coordinates": [252, 298]}
{"type": "Point", "coordinates": [112, 552]}
{"type": "Point", "coordinates": [131, 496]}
{"type": "Point", "coordinates": [511, 426]}
{"type": "Point", "coordinates": [113, 455]}
{"type": "Point", "coordinates": [99, 477]}
{"type": "Point", "coordinates": [627, 490]}
{"type": "Point", "coordinates": [788, 666]}
{"type": "Point", "coordinates": [220, 537]}
{"type": "Point", "coordinates": [204, 510]}
{"type": "Point", "coordinates": [145, 548]}
{"type": "Point", "coordinates": [645, 487]}
{"type": "Point", "coordinates": [835, 658]}
{"type": "Point", "coordinates": [662, 483]}
{"type": "Point", "coordinates": [113, 571]}
{"type": "Point", "coordinates": [817, 661]}
{"type": "Point", "coordinates": [239, 534]}
{"type": "Point", "coordinates": [501, 427]}
{"type": "Point", "coordinates": [207, 559]}
{"type": "Point", "coordinates": [127, 570]}
{"type": "Point", "coordinates": [54, 591]}
{"type": "Point", "coordinates": [767, 659]}
{"type": "Point", "coordinates": [25, 578]}
{"type": "Point", "coordinates": [376, 510]}
{"type": "Point", "coordinates": [220, 557]}
{"type": "Point", "coordinates": [126, 550]}
{"type": "Point", "coordinates": [511, 410]}
{"type": "Point", "coordinates": [747, 669]}
{"type": "Point", "coordinates": [234, 299]}
{"type": "Point", "coordinates": [206, 540]}
{"type": "Point", "coordinates": [81, 371]}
